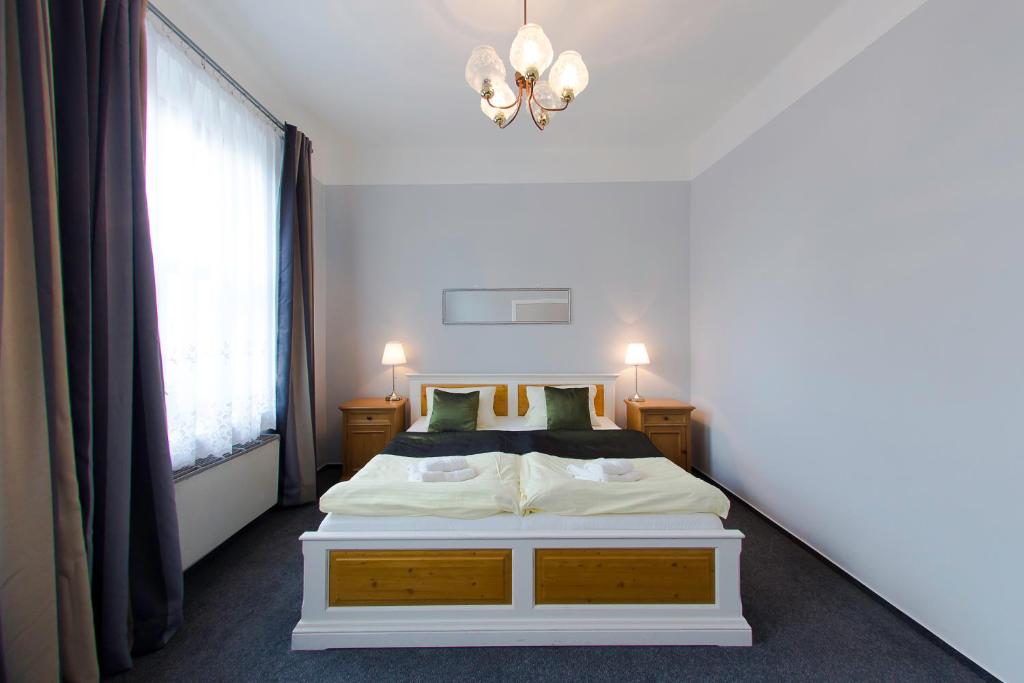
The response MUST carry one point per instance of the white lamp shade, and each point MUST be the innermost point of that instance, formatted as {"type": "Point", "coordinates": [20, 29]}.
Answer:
{"type": "Point", "coordinates": [484, 64]}
{"type": "Point", "coordinates": [636, 354]}
{"type": "Point", "coordinates": [531, 50]}
{"type": "Point", "coordinates": [569, 75]}
{"type": "Point", "coordinates": [394, 354]}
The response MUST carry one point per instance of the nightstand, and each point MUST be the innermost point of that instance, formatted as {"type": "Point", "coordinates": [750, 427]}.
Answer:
{"type": "Point", "coordinates": [367, 425]}
{"type": "Point", "coordinates": [666, 422]}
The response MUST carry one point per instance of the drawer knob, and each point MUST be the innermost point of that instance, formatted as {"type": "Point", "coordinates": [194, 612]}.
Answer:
{"type": "Point", "coordinates": [664, 417]}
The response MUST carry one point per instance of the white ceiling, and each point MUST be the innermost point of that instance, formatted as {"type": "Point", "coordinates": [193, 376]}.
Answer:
{"type": "Point", "coordinates": [378, 84]}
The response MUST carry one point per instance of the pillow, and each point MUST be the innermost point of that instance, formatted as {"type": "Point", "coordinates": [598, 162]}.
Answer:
{"type": "Point", "coordinates": [537, 413]}
{"type": "Point", "coordinates": [567, 408]}
{"type": "Point", "coordinates": [485, 417]}
{"type": "Point", "coordinates": [454, 412]}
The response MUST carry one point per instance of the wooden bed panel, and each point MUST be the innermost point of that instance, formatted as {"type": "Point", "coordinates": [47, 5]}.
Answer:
{"type": "Point", "coordinates": [419, 577]}
{"type": "Point", "coordinates": [500, 396]}
{"type": "Point", "coordinates": [523, 402]}
{"type": "Point", "coordinates": [566, 576]}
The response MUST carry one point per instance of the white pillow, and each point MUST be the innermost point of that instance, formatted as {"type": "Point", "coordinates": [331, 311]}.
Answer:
{"type": "Point", "coordinates": [485, 417]}
{"type": "Point", "coordinates": [537, 413]}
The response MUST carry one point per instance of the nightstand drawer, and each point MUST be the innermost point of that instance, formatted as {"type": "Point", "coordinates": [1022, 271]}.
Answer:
{"type": "Point", "coordinates": [368, 418]}
{"type": "Point", "coordinates": [669, 417]}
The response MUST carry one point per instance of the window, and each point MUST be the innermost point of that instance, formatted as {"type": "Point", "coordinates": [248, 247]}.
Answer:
{"type": "Point", "coordinates": [213, 183]}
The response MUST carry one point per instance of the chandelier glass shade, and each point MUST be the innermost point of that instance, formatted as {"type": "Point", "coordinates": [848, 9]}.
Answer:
{"type": "Point", "coordinates": [530, 55]}
{"type": "Point", "coordinates": [531, 51]}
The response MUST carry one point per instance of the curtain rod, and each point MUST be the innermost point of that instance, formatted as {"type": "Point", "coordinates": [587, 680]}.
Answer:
{"type": "Point", "coordinates": [216, 67]}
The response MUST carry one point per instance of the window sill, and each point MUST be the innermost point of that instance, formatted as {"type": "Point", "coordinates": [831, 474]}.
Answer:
{"type": "Point", "coordinates": [211, 461]}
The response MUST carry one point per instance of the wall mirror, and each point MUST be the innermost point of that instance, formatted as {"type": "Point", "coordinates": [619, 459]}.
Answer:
{"type": "Point", "coordinates": [506, 306]}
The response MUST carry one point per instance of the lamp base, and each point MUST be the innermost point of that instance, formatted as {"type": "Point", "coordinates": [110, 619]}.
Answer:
{"type": "Point", "coordinates": [392, 397]}
{"type": "Point", "coordinates": [637, 398]}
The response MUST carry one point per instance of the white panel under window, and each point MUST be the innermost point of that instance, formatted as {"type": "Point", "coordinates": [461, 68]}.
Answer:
{"type": "Point", "coordinates": [213, 182]}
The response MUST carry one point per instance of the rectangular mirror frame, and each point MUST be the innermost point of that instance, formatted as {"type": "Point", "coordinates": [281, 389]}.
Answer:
{"type": "Point", "coordinates": [566, 290]}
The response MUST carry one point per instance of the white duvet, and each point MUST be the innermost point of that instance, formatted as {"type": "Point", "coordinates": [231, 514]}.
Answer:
{"type": "Point", "coordinates": [664, 487]}
{"type": "Point", "coordinates": [508, 483]}
{"type": "Point", "coordinates": [382, 489]}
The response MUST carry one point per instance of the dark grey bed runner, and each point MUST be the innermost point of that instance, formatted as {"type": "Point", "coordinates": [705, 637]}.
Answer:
{"type": "Point", "coordinates": [584, 445]}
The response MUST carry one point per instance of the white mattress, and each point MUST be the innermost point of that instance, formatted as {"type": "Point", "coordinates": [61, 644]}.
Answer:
{"type": "Point", "coordinates": [515, 424]}
{"type": "Point", "coordinates": [701, 521]}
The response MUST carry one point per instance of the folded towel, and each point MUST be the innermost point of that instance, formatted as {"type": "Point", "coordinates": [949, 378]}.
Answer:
{"type": "Point", "coordinates": [595, 474]}
{"type": "Point", "coordinates": [446, 463]}
{"type": "Point", "coordinates": [415, 474]}
{"type": "Point", "coordinates": [610, 465]}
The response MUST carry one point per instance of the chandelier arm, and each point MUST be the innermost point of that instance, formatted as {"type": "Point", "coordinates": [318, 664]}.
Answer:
{"type": "Point", "coordinates": [507, 106]}
{"type": "Point", "coordinates": [518, 105]}
{"type": "Point", "coordinates": [519, 96]}
{"type": "Point", "coordinates": [509, 120]}
{"type": "Point", "coordinates": [532, 116]}
{"type": "Point", "coordinates": [533, 96]}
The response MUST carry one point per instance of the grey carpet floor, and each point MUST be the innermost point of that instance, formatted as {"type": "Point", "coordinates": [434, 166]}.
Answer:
{"type": "Point", "coordinates": [810, 623]}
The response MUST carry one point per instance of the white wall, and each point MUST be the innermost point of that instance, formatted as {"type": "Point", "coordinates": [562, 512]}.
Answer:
{"type": "Point", "coordinates": [857, 280]}
{"type": "Point", "coordinates": [621, 247]}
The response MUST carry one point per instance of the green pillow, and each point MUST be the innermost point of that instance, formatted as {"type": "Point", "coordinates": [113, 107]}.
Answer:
{"type": "Point", "coordinates": [454, 412]}
{"type": "Point", "coordinates": [568, 408]}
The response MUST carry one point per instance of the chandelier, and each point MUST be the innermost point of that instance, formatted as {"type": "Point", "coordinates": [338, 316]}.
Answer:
{"type": "Point", "coordinates": [529, 55]}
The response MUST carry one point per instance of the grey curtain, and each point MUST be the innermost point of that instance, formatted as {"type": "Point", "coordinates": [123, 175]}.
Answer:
{"type": "Point", "coordinates": [113, 544]}
{"type": "Point", "coordinates": [295, 379]}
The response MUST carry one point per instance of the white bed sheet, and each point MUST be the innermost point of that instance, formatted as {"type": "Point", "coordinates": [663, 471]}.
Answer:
{"type": "Point", "coordinates": [382, 488]}
{"type": "Point", "coordinates": [514, 424]}
{"type": "Point", "coordinates": [539, 522]}
{"type": "Point", "coordinates": [546, 485]}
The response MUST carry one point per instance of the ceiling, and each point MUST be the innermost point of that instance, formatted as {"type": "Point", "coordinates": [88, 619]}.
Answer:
{"type": "Point", "coordinates": [378, 84]}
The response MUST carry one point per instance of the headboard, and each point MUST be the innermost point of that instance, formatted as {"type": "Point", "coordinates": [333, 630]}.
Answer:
{"type": "Point", "coordinates": [509, 386]}
{"type": "Point", "coordinates": [524, 404]}
{"type": "Point", "coordinates": [500, 395]}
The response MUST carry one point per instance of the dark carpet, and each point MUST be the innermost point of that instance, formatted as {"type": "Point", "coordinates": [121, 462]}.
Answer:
{"type": "Point", "coordinates": [810, 623]}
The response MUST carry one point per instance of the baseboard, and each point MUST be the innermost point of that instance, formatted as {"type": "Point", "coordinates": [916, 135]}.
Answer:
{"type": "Point", "coordinates": [921, 628]}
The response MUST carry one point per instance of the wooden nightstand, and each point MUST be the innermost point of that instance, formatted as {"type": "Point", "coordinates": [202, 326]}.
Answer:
{"type": "Point", "coordinates": [666, 422]}
{"type": "Point", "coordinates": [367, 425]}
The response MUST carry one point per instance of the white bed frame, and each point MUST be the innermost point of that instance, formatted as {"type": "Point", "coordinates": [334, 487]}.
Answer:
{"type": "Point", "coordinates": [522, 622]}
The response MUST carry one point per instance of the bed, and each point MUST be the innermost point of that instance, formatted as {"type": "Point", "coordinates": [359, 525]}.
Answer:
{"type": "Point", "coordinates": [509, 578]}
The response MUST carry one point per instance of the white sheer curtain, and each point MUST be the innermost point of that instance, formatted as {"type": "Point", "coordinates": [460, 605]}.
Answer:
{"type": "Point", "coordinates": [213, 167]}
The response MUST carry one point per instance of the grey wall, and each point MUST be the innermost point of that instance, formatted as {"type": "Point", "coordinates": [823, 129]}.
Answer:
{"type": "Point", "coordinates": [390, 250]}
{"type": "Point", "coordinates": [857, 280]}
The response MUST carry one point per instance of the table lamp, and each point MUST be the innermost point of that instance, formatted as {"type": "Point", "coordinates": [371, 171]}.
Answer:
{"type": "Point", "coordinates": [636, 355]}
{"type": "Point", "coordinates": [394, 355]}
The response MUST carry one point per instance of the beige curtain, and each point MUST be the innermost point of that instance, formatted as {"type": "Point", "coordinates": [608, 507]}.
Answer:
{"type": "Point", "coordinates": [46, 619]}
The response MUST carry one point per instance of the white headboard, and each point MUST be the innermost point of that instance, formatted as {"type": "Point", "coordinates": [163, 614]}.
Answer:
{"type": "Point", "coordinates": [417, 381]}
